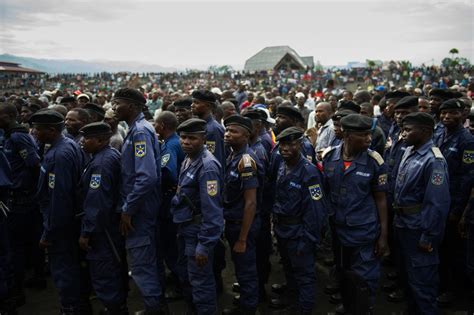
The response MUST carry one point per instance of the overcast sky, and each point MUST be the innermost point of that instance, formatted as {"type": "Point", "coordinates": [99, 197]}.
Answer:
{"type": "Point", "coordinates": [196, 33]}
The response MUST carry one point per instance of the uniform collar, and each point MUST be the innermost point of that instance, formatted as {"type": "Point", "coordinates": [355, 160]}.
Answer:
{"type": "Point", "coordinates": [137, 119]}
{"type": "Point", "coordinates": [360, 159]}
{"type": "Point", "coordinates": [173, 136]}
{"type": "Point", "coordinates": [424, 148]}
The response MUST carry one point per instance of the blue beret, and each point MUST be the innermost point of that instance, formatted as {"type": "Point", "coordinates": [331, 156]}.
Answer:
{"type": "Point", "coordinates": [356, 122]}
{"type": "Point", "coordinates": [192, 125]}
{"type": "Point", "coordinates": [407, 102]}
{"type": "Point", "coordinates": [204, 95]}
{"type": "Point", "coordinates": [452, 104]}
{"type": "Point", "coordinates": [290, 134]}
{"type": "Point", "coordinates": [47, 117]}
{"type": "Point", "coordinates": [240, 121]}
{"type": "Point", "coordinates": [96, 129]}
{"type": "Point", "coordinates": [130, 95]}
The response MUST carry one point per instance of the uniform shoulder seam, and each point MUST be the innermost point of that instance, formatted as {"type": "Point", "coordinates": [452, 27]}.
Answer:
{"type": "Point", "coordinates": [376, 156]}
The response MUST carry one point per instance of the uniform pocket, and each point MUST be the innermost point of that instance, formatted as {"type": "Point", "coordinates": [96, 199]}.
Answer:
{"type": "Point", "coordinates": [140, 250]}
{"type": "Point", "coordinates": [424, 259]}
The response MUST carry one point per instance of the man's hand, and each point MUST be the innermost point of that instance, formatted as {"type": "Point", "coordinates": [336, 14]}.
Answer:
{"type": "Point", "coordinates": [43, 244]}
{"type": "Point", "coordinates": [240, 246]}
{"type": "Point", "coordinates": [126, 224]}
{"type": "Point", "coordinates": [381, 247]}
{"type": "Point", "coordinates": [84, 243]}
{"type": "Point", "coordinates": [425, 247]}
{"type": "Point", "coordinates": [201, 260]}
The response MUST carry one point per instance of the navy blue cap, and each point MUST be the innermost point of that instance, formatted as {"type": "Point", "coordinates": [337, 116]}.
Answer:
{"type": "Point", "coordinates": [96, 129]}
{"type": "Point", "coordinates": [240, 121]}
{"type": "Point", "coordinates": [290, 134]}
{"type": "Point", "coordinates": [356, 122]}
{"type": "Point", "coordinates": [192, 125]}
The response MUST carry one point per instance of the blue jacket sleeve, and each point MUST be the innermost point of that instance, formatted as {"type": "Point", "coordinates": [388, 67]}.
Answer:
{"type": "Point", "coordinates": [313, 206]}
{"type": "Point", "coordinates": [146, 177]}
{"type": "Point", "coordinates": [26, 147]}
{"type": "Point", "coordinates": [210, 190]}
{"type": "Point", "coordinates": [460, 197]}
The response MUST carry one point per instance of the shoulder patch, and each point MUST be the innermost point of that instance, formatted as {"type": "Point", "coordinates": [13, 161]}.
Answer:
{"type": "Point", "coordinates": [95, 181]}
{"type": "Point", "coordinates": [51, 180]}
{"type": "Point", "coordinates": [211, 187]}
{"type": "Point", "coordinates": [437, 178]}
{"type": "Point", "coordinates": [376, 156]}
{"type": "Point", "coordinates": [140, 148]}
{"type": "Point", "coordinates": [23, 154]}
{"type": "Point", "coordinates": [437, 152]}
{"type": "Point", "coordinates": [326, 151]}
{"type": "Point", "coordinates": [316, 192]}
{"type": "Point", "coordinates": [468, 156]}
{"type": "Point", "coordinates": [211, 146]}
{"type": "Point", "coordinates": [247, 163]}
{"type": "Point", "coordinates": [164, 159]}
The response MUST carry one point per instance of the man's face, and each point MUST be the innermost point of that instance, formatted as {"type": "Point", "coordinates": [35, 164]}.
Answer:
{"type": "Point", "coordinates": [191, 143]}
{"type": "Point", "coordinates": [364, 110]}
{"type": "Point", "coordinates": [290, 150]}
{"type": "Point", "coordinates": [200, 108]}
{"type": "Point", "coordinates": [73, 123]}
{"type": "Point", "coordinates": [424, 106]}
{"type": "Point", "coordinates": [435, 102]}
{"type": "Point", "coordinates": [283, 122]}
{"type": "Point", "coordinates": [300, 101]}
{"type": "Point", "coordinates": [360, 141]}
{"type": "Point", "coordinates": [121, 109]}
{"type": "Point", "coordinates": [43, 133]}
{"type": "Point", "coordinates": [228, 111]}
{"type": "Point", "coordinates": [159, 126]}
{"type": "Point", "coordinates": [182, 114]}
{"type": "Point", "coordinates": [5, 120]}
{"type": "Point", "coordinates": [451, 117]}
{"type": "Point", "coordinates": [82, 101]}
{"type": "Point", "coordinates": [337, 129]}
{"type": "Point", "coordinates": [25, 114]}
{"type": "Point", "coordinates": [91, 144]}
{"type": "Point", "coordinates": [401, 113]}
{"type": "Point", "coordinates": [322, 114]}
{"type": "Point", "coordinates": [412, 134]}
{"type": "Point", "coordinates": [235, 135]}
{"type": "Point", "coordinates": [388, 111]}
{"type": "Point", "coordinates": [347, 96]}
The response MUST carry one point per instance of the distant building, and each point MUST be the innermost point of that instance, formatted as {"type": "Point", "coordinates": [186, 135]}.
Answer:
{"type": "Point", "coordinates": [15, 68]}
{"type": "Point", "coordinates": [278, 58]}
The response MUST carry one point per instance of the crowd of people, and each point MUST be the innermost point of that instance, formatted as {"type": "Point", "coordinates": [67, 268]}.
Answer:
{"type": "Point", "coordinates": [115, 181]}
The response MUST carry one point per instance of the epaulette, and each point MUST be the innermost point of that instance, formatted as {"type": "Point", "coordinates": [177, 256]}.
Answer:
{"type": "Point", "coordinates": [246, 162]}
{"type": "Point", "coordinates": [376, 156]}
{"type": "Point", "coordinates": [437, 153]}
{"type": "Point", "coordinates": [326, 151]}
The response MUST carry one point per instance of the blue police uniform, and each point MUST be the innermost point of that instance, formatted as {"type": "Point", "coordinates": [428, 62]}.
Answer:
{"type": "Point", "coordinates": [22, 153]}
{"type": "Point", "coordinates": [215, 139]}
{"type": "Point", "coordinates": [421, 203]}
{"type": "Point", "coordinates": [100, 186]}
{"type": "Point", "coordinates": [385, 123]}
{"type": "Point", "coordinates": [197, 209]}
{"type": "Point", "coordinates": [140, 193]}
{"type": "Point", "coordinates": [57, 192]}
{"type": "Point", "coordinates": [299, 214]}
{"type": "Point", "coordinates": [243, 171]}
{"type": "Point", "coordinates": [171, 159]}
{"type": "Point", "coordinates": [266, 140]}
{"type": "Point", "coordinates": [353, 211]}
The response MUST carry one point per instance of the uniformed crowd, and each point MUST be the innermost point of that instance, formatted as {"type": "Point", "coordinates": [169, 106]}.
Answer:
{"type": "Point", "coordinates": [110, 195]}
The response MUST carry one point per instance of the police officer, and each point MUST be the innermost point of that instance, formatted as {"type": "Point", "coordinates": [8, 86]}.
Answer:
{"type": "Point", "coordinates": [171, 159]}
{"type": "Point", "coordinates": [22, 153]}
{"type": "Point", "coordinates": [242, 191]}
{"type": "Point", "coordinates": [393, 156]}
{"type": "Point", "coordinates": [75, 119]}
{"type": "Point", "coordinates": [421, 204]}
{"type": "Point", "coordinates": [140, 193]}
{"type": "Point", "coordinates": [457, 146]}
{"type": "Point", "coordinates": [60, 173]}
{"type": "Point", "coordinates": [197, 209]}
{"type": "Point", "coordinates": [356, 180]}
{"type": "Point", "coordinates": [263, 132]}
{"type": "Point", "coordinates": [182, 109]}
{"type": "Point", "coordinates": [100, 235]}
{"type": "Point", "coordinates": [437, 97]}
{"type": "Point", "coordinates": [298, 215]}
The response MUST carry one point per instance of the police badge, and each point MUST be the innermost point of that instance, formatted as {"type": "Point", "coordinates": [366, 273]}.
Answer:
{"type": "Point", "coordinates": [95, 181]}
{"type": "Point", "coordinates": [437, 178]}
{"type": "Point", "coordinates": [468, 156]}
{"type": "Point", "coordinates": [140, 149]}
{"type": "Point", "coordinates": [211, 146]}
{"type": "Point", "coordinates": [315, 192]}
{"type": "Point", "coordinates": [382, 179]}
{"type": "Point", "coordinates": [23, 153]}
{"type": "Point", "coordinates": [164, 159]}
{"type": "Point", "coordinates": [212, 187]}
{"type": "Point", "coordinates": [51, 180]}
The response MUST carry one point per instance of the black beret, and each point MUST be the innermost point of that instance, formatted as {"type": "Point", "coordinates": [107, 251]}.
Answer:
{"type": "Point", "coordinates": [356, 122]}
{"type": "Point", "coordinates": [240, 121]}
{"type": "Point", "coordinates": [192, 125]}
{"type": "Point", "coordinates": [96, 108]}
{"type": "Point", "coordinates": [396, 94]}
{"type": "Point", "coordinates": [33, 107]}
{"type": "Point", "coordinates": [204, 95]}
{"type": "Point", "coordinates": [407, 102]}
{"type": "Point", "coordinates": [130, 95]}
{"type": "Point", "coordinates": [183, 102]}
{"type": "Point", "coordinates": [342, 113]}
{"type": "Point", "coordinates": [350, 105]}
{"type": "Point", "coordinates": [290, 134]}
{"type": "Point", "coordinates": [290, 111]}
{"type": "Point", "coordinates": [256, 114]}
{"type": "Point", "coordinates": [452, 104]}
{"type": "Point", "coordinates": [67, 99]}
{"type": "Point", "coordinates": [445, 94]}
{"type": "Point", "coordinates": [96, 129]}
{"type": "Point", "coordinates": [419, 118]}
{"type": "Point", "coordinates": [47, 117]}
